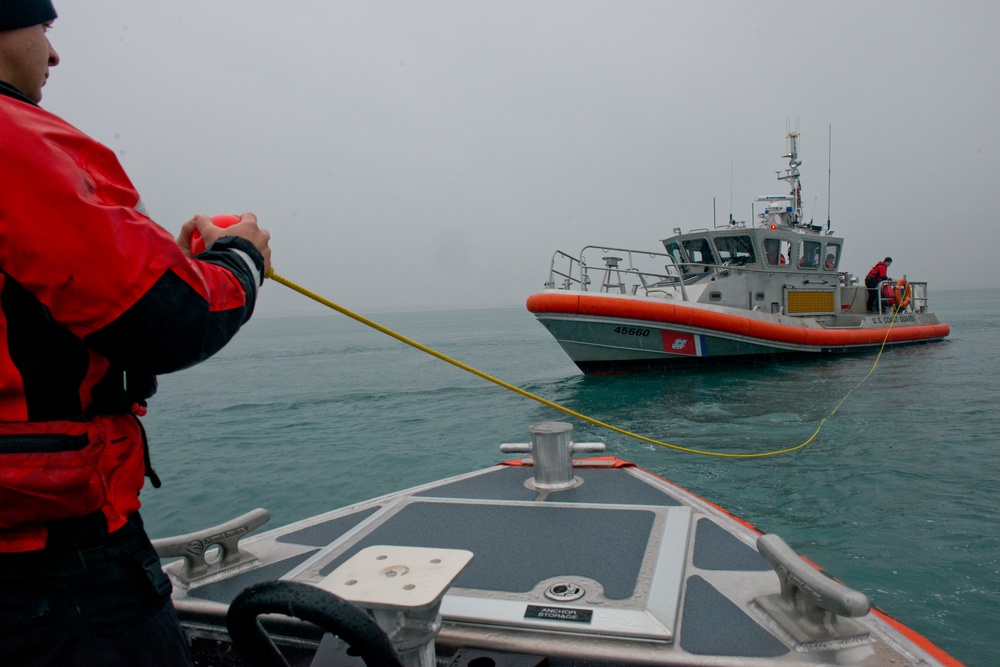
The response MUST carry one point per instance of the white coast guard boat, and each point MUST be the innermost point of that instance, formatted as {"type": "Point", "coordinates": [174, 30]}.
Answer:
{"type": "Point", "coordinates": [724, 294]}
{"type": "Point", "coordinates": [540, 561]}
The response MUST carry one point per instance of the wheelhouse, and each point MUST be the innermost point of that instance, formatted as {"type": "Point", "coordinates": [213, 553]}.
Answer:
{"type": "Point", "coordinates": [704, 252]}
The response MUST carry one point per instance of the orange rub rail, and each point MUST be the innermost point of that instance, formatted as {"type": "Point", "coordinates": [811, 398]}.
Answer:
{"type": "Point", "coordinates": [708, 321]}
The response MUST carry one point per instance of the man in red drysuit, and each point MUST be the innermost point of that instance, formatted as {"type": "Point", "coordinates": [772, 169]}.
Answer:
{"type": "Point", "coordinates": [95, 301]}
{"type": "Point", "coordinates": [878, 273]}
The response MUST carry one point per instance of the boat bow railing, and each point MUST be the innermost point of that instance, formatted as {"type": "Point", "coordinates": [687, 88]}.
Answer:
{"type": "Point", "coordinates": [917, 301]}
{"type": "Point", "coordinates": [622, 271]}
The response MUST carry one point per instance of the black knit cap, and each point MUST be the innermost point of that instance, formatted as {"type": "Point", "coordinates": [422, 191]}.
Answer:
{"type": "Point", "coordinates": [16, 14]}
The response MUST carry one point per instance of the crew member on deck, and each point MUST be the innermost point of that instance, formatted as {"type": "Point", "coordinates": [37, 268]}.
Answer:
{"type": "Point", "coordinates": [878, 273]}
{"type": "Point", "coordinates": [95, 300]}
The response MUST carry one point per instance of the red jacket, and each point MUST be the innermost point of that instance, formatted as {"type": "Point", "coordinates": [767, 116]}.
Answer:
{"type": "Point", "coordinates": [95, 300]}
{"type": "Point", "coordinates": [879, 272]}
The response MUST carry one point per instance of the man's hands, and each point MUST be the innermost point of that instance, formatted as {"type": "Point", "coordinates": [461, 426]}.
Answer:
{"type": "Point", "coordinates": [246, 228]}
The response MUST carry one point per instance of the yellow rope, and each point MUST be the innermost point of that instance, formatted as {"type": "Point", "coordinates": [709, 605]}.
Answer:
{"type": "Point", "coordinates": [517, 390]}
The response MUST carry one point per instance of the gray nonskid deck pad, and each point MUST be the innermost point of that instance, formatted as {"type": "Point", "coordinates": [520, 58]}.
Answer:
{"type": "Point", "coordinates": [226, 590]}
{"type": "Point", "coordinates": [712, 625]}
{"type": "Point", "coordinates": [600, 486]}
{"type": "Point", "coordinates": [716, 549]}
{"type": "Point", "coordinates": [517, 546]}
{"type": "Point", "coordinates": [323, 533]}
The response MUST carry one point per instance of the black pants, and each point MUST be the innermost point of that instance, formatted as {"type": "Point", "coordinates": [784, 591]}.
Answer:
{"type": "Point", "coordinates": [104, 605]}
{"type": "Point", "coordinates": [872, 285]}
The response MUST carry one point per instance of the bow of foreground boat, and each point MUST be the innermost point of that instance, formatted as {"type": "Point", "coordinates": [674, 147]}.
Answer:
{"type": "Point", "coordinates": [543, 560]}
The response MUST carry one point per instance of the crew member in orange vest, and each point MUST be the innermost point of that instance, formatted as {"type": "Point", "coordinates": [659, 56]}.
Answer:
{"type": "Point", "coordinates": [96, 300]}
{"type": "Point", "coordinates": [878, 273]}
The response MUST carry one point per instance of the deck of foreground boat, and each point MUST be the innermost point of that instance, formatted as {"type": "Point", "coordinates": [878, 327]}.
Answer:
{"type": "Point", "coordinates": [542, 560]}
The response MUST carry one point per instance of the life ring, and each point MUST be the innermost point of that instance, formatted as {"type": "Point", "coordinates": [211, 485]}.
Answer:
{"type": "Point", "coordinates": [903, 293]}
{"type": "Point", "coordinates": [889, 294]}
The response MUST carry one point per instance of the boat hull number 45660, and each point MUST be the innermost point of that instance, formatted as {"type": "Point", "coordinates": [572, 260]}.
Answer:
{"type": "Point", "coordinates": [632, 331]}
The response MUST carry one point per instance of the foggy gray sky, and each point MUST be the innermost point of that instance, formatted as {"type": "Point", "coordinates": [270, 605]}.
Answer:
{"type": "Point", "coordinates": [435, 154]}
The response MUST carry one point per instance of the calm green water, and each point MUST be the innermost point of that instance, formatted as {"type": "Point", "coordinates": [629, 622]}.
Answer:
{"type": "Point", "coordinates": [897, 496]}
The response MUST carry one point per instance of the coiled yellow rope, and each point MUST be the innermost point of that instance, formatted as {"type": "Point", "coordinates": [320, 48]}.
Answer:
{"type": "Point", "coordinates": [517, 390]}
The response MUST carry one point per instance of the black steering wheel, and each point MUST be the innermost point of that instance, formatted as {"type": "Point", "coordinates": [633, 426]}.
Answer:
{"type": "Point", "coordinates": [309, 603]}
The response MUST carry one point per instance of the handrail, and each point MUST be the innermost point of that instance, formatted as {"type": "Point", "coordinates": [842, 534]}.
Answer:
{"type": "Point", "coordinates": [577, 272]}
{"type": "Point", "coordinates": [567, 277]}
{"type": "Point", "coordinates": [918, 295]}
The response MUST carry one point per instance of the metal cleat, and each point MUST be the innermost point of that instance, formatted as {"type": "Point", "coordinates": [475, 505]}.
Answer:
{"type": "Point", "coordinates": [194, 547]}
{"type": "Point", "coordinates": [812, 609]}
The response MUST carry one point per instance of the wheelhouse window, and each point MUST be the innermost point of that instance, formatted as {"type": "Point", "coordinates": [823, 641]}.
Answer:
{"type": "Point", "coordinates": [699, 251]}
{"type": "Point", "coordinates": [735, 250]}
{"type": "Point", "coordinates": [674, 250]}
{"type": "Point", "coordinates": [831, 257]}
{"type": "Point", "coordinates": [809, 254]}
{"type": "Point", "coordinates": [776, 252]}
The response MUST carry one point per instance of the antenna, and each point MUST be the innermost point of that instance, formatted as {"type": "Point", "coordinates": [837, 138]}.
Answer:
{"type": "Point", "coordinates": [829, 175]}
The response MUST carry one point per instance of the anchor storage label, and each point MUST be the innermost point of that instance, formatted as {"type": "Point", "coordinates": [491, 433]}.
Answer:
{"type": "Point", "coordinates": [558, 614]}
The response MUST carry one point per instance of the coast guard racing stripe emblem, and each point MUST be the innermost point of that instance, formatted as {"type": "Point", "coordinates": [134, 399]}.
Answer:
{"type": "Point", "coordinates": [682, 343]}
